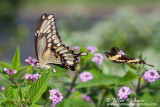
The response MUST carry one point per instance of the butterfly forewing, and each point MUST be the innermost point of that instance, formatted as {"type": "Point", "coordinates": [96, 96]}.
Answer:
{"type": "Point", "coordinates": [114, 50]}
{"type": "Point", "coordinates": [46, 35]}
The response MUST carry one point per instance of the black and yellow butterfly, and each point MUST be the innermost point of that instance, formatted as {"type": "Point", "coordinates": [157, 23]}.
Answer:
{"type": "Point", "coordinates": [49, 48]}
{"type": "Point", "coordinates": [116, 56]}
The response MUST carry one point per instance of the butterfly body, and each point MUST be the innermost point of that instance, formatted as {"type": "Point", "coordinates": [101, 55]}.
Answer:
{"type": "Point", "coordinates": [116, 56]}
{"type": "Point", "coordinates": [49, 47]}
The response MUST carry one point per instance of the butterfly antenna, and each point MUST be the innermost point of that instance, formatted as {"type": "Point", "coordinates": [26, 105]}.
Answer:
{"type": "Point", "coordinates": [150, 65]}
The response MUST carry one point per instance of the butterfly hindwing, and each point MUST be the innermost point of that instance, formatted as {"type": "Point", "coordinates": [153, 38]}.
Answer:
{"type": "Point", "coordinates": [68, 58]}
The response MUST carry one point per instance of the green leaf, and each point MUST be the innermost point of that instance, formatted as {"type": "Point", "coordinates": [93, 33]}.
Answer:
{"type": "Point", "coordinates": [129, 76]}
{"type": "Point", "coordinates": [155, 85]}
{"type": "Point", "coordinates": [11, 92]}
{"type": "Point", "coordinates": [5, 65]}
{"type": "Point", "coordinates": [10, 105]}
{"type": "Point", "coordinates": [38, 88]}
{"type": "Point", "coordinates": [102, 81]}
{"type": "Point", "coordinates": [60, 72]}
{"type": "Point", "coordinates": [59, 75]}
{"type": "Point", "coordinates": [96, 73]}
{"type": "Point", "coordinates": [2, 100]}
{"type": "Point", "coordinates": [16, 60]}
{"type": "Point", "coordinates": [148, 98]}
{"type": "Point", "coordinates": [21, 69]}
{"type": "Point", "coordinates": [76, 101]}
{"type": "Point", "coordinates": [6, 101]}
{"type": "Point", "coordinates": [24, 90]}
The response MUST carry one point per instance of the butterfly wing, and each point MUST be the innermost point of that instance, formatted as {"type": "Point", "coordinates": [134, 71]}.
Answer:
{"type": "Point", "coordinates": [49, 48]}
{"type": "Point", "coordinates": [68, 58]}
{"type": "Point", "coordinates": [46, 35]}
{"type": "Point", "coordinates": [114, 50]}
{"type": "Point", "coordinates": [126, 59]}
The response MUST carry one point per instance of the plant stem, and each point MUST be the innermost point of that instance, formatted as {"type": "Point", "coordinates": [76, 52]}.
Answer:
{"type": "Point", "coordinates": [46, 105]}
{"type": "Point", "coordinates": [72, 84]}
{"type": "Point", "coordinates": [139, 83]}
{"type": "Point", "coordinates": [138, 86]}
{"type": "Point", "coordinates": [12, 78]}
{"type": "Point", "coordinates": [102, 98]}
{"type": "Point", "coordinates": [1, 96]}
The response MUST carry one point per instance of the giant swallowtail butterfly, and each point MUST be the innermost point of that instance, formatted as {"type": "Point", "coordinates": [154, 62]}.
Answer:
{"type": "Point", "coordinates": [116, 56]}
{"type": "Point", "coordinates": [49, 48]}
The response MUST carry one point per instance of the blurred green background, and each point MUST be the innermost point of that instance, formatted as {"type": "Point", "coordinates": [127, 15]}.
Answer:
{"type": "Point", "coordinates": [131, 25]}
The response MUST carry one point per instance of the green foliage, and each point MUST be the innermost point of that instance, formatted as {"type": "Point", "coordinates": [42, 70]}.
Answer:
{"type": "Point", "coordinates": [60, 72]}
{"type": "Point", "coordinates": [102, 81]}
{"type": "Point", "coordinates": [5, 65]}
{"type": "Point", "coordinates": [11, 92]}
{"type": "Point", "coordinates": [20, 70]}
{"type": "Point", "coordinates": [155, 85]}
{"type": "Point", "coordinates": [25, 90]}
{"type": "Point", "coordinates": [148, 98]}
{"type": "Point", "coordinates": [96, 73]}
{"type": "Point", "coordinates": [129, 76]}
{"type": "Point", "coordinates": [6, 101]}
{"type": "Point", "coordinates": [16, 60]}
{"type": "Point", "coordinates": [38, 88]}
{"type": "Point", "coordinates": [76, 100]}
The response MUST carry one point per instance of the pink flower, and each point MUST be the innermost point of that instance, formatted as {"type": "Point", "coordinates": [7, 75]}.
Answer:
{"type": "Point", "coordinates": [55, 96]}
{"type": "Point", "coordinates": [123, 92]}
{"type": "Point", "coordinates": [87, 98]}
{"type": "Point", "coordinates": [9, 71]}
{"type": "Point", "coordinates": [121, 52]}
{"type": "Point", "coordinates": [85, 76]}
{"type": "Point", "coordinates": [92, 49]}
{"type": "Point", "coordinates": [151, 75]}
{"type": "Point", "coordinates": [98, 58]}
{"type": "Point", "coordinates": [75, 48]}
{"type": "Point", "coordinates": [31, 61]}
{"type": "Point", "coordinates": [3, 88]}
{"type": "Point", "coordinates": [31, 77]}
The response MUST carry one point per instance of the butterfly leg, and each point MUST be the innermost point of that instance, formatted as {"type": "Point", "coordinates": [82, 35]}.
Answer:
{"type": "Point", "coordinates": [41, 65]}
{"type": "Point", "coordinates": [131, 66]}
